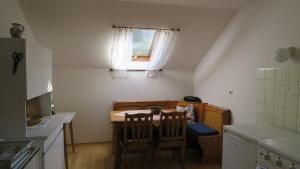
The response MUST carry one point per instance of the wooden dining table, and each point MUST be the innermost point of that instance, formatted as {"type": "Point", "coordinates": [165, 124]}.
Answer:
{"type": "Point", "coordinates": [117, 119]}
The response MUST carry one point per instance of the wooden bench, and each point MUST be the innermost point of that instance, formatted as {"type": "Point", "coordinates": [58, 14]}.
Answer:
{"type": "Point", "coordinates": [213, 117]}
{"type": "Point", "coordinates": [142, 105]}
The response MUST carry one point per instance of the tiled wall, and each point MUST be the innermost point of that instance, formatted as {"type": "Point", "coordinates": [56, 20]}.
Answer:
{"type": "Point", "coordinates": [278, 95]}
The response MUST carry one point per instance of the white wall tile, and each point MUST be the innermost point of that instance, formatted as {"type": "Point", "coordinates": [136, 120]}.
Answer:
{"type": "Point", "coordinates": [260, 108]}
{"type": "Point", "coordinates": [269, 98]}
{"type": "Point", "coordinates": [279, 124]}
{"type": "Point", "coordinates": [278, 93]}
{"type": "Point", "coordinates": [298, 129]}
{"type": "Point", "coordinates": [260, 98]}
{"type": "Point", "coordinates": [270, 73]}
{"type": "Point", "coordinates": [294, 71]}
{"type": "Point", "coordinates": [261, 73]}
{"type": "Point", "coordinates": [292, 88]}
{"type": "Point", "coordinates": [268, 120]}
{"type": "Point", "coordinates": [291, 116]}
{"type": "Point", "coordinates": [280, 100]}
{"type": "Point", "coordinates": [290, 127]}
{"type": "Point", "coordinates": [279, 113]}
{"type": "Point", "coordinates": [280, 87]}
{"type": "Point", "coordinates": [291, 102]}
{"type": "Point", "coordinates": [260, 86]}
{"type": "Point", "coordinates": [259, 119]}
{"type": "Point", "coordinates": [281, 72]}
{"type": "Point", "coordinates": [270, 86]}
{"type": "Point", "coordinates": [269, 110]}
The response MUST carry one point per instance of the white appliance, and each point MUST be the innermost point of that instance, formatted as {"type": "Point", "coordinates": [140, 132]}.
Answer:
{"type": "Point", "coordinates": [240, 144]}
{"type": "Point", "coordinates": [279, 153]}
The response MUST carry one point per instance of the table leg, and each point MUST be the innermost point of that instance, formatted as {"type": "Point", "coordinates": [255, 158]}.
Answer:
{"type": "Point", "coordinates": [116, 128]}
{"type": "Point", "coordinates": [72, 136]}
{"type": "Point", "coordinates": [115, 135]}
{"type": "Point", "coordinates": [65, 146]}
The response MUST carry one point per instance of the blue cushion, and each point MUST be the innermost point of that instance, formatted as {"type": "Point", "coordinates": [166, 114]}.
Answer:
{"type": "Point", "coordinates": [201, 129]}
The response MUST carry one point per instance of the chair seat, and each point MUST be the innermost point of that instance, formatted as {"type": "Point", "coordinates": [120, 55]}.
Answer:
{"type": "Point", "coordinates": [201, 129]}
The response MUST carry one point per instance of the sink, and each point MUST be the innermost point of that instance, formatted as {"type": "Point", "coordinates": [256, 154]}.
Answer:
{"type": "Point", "coordinates": [11, 152]}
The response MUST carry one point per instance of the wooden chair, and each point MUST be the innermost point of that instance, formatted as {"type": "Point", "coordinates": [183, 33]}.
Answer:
{"type": "Point", "coordinates": [137, 135]}
{"type": "Point", "coordinates": [172, 130]}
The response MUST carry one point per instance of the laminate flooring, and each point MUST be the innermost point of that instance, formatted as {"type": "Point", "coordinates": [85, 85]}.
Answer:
{"type": "Point", "coordinates": [99, 156]}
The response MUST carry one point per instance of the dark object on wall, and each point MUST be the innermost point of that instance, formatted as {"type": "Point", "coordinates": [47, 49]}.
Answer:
{"type": "Point", "coordinates": [192, 99]}
{"type": "Point", "coordinates": [16, 30]}
{"type": "Point", "coordinates": [17, 57]}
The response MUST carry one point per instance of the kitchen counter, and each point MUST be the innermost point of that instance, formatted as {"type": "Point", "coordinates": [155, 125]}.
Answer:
{"type": "Point", "coordinates": [288, 147]}
{"type": "Point", "coordinates": [256, 132]}
{"type": "Point", "coordinates": [58, 120]}
{"type": "Point", "coordinates": [44, 132]}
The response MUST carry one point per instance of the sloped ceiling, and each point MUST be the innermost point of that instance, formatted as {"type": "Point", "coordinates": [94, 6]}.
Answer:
{"type": "Point", "coordinates": [80, 32]}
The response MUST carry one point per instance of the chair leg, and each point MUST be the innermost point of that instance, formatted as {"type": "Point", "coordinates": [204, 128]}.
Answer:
{"type": "Point", "coordinates": [150, 157]}
{"type": "Point", "coordinates": [159, 158]}
{"type": "Point", "coordinates": [173, 154]}
{"type": "Point", "coordinates": [183, 156]}
{"type": "Point", "coordinates": [125, 158]}
{"type": "Point", "coordinates": [118, 158]}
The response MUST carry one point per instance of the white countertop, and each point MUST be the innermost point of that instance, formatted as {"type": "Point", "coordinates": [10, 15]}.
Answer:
{"type": "Point", "coordinates": [68, 116]}
{"type": "Point", "coordinates": [45, 132]}
{"type": "Point", "coordinates": [55, 124]}
{"type": "Point", "coordinates": [288, 147]}
{"type": "Point", "coordinates": [256, 132]}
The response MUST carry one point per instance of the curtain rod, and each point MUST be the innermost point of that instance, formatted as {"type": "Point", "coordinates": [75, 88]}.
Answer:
{"type": "Point", "coordinates": [136, 27]}
{"type": "Point", "coordinates": [135, 70]}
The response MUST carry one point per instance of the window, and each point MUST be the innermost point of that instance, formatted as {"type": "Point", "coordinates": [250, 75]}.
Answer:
{"type": "Point", "coordinates": [142, 44]}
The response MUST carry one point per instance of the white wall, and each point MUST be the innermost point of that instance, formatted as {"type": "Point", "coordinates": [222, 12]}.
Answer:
{"type": "Point", "coordinates": [248, 41]}
{"type": "Point", "coordinates": [81, 44]}
{"type": "Point", "coordinates": [80, 32]}
{"type": "Point", "coordinates": [91, 92]}
{"type": "Point", "coordinates": [10, 12]}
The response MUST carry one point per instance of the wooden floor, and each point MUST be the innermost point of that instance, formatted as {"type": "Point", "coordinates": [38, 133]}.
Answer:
{"type": "Point", "coordinates": [99, 156]}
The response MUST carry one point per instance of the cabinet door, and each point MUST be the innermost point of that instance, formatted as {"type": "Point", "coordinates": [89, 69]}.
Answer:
{"type": "Point", "coordinates": [33, 164]}
{"type": "Point", "coordinates": [38, 70]}
{"type": "Point", "coordinates": [238, 153]}
{"type": "Point", "coordinates": [54, 157]}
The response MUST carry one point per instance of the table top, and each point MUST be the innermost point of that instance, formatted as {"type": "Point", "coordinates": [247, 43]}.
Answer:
{"type": "Point", "coordinates": [68, 116]}
{"type": "Point", "coordinates": [117, 116]}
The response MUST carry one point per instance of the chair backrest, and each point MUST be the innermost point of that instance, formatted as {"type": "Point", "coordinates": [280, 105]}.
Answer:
{"type": "Point", "coordinates": [138, 128]}
{"type": "Point", "coordinates": [172, 126]}
{"type": "Point", "coordinates": [216, 117]}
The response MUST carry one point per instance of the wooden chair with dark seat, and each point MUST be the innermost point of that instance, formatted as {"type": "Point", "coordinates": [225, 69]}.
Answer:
{"type": "Point", "coordinates": [137, 135]}
{"type": "Point", "coordinates": [172, 130]}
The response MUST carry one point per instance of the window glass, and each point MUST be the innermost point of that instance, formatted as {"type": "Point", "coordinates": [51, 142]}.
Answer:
{"type": "Point", "coordinates": [142, 42]}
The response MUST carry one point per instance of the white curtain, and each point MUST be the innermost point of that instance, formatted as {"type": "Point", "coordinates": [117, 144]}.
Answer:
{"type": "Point", "coordinates": [121, 52]}
{"type": "Point", "coordinates": [161, 50]}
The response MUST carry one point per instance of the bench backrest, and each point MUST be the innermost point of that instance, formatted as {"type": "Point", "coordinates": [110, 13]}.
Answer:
{"type": "Point", "coordinates": [142, 105]}
{"type": "Point", "coordinates": [197, 107]}
{"type": "Point", "coordinates": [216, 117]}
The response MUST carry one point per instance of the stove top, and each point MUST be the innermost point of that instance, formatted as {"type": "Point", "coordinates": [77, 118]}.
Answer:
{"type": "Point", "coordinates": [11, 152]}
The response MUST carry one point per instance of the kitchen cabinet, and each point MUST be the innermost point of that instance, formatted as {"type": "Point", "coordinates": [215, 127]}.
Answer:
{"type": "Point", "coordinates": [38, 69]}
{"type": "Point", "coordinates": [32, 78]}
{"type": "Point", "coordinates": [54, 156]}
{"type": "Point", "coordinates": [33, 164]}
{"type": "Point", "coordinates": [238, 153]}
